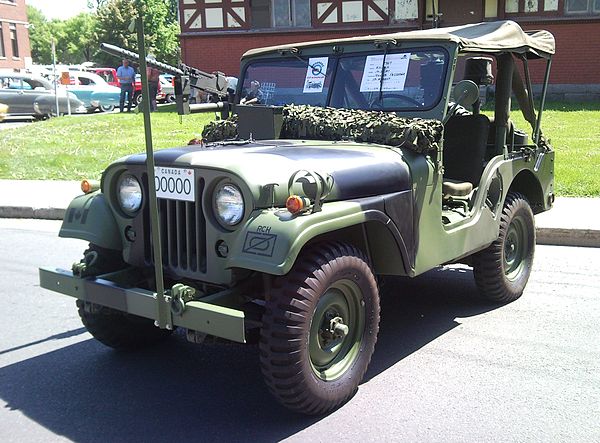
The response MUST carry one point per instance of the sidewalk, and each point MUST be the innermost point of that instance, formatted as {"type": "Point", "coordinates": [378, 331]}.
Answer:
{"type": "Point", "coordinates": [572, 221]}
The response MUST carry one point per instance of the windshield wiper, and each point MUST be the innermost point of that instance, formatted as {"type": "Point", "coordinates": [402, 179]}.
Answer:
{"type": "Point", "coordinates": [386, 46]}
{"type": "Point", "coordinates": [294, 52]}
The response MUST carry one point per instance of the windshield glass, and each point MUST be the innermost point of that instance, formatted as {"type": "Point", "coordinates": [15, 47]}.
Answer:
{"type": "Point", "coordinates": [412, 80]}
{"type": "Point", "coordinates": [287, 81]}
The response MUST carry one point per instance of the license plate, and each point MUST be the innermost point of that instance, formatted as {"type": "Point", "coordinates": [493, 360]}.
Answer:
{"type": "Point", "coordinates": [175, 183]}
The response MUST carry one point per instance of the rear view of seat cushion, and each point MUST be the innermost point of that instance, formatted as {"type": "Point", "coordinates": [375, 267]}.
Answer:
{"type": "Point", "coordinates": [465, 140]}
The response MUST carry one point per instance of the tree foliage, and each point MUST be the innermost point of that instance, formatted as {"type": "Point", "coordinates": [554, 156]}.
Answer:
{"type": "Point", "coordinates": [160, 25]}
{"type": "Point", "coordinates": [74, 38]}
{"type": "Point", "coordinates": [78, 39]}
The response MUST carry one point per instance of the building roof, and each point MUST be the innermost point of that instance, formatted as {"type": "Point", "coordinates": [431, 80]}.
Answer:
{"type": "Point", "coordinates": [487, 37]}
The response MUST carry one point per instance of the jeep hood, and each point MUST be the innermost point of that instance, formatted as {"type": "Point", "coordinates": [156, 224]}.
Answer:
{"type": "Point", "coordinates": [358, 170]}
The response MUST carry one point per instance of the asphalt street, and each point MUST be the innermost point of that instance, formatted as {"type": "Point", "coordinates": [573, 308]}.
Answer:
{"type": "Point", "coordinates": [447, 367]}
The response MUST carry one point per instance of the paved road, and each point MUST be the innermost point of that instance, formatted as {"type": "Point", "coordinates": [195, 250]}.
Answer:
{"type": "Point", "coordinates": [446, 368]}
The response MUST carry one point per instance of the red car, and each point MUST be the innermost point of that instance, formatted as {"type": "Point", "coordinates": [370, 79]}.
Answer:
{"type": "Point", "coordinates": [108, 74]}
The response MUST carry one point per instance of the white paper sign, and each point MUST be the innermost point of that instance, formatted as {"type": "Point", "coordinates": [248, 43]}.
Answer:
{"type": "Point", "coordinates": [315, 75]}
{"type": "Point", "coordinates": [175, 183]}
{"type": "Point", "coordinates": [394, 77]}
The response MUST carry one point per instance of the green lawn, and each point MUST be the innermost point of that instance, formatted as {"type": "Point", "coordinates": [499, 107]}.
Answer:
{"type": "Point", "coordinates": [574, 132]}
{"type": "Point", "coordinates": [72, 148]}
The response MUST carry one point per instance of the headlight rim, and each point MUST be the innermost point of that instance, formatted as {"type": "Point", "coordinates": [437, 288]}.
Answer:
{"type": "Point", "coordinates": [220, 185]}
{"type": "Point", "coordinates": [119, 181]}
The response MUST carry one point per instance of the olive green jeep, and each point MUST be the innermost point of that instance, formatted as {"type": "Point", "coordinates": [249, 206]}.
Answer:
{"type": "Point", "coordinates": [350, 159]}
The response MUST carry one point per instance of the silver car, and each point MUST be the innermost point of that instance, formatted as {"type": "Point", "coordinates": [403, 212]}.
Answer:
{"type": "Point", "coordinates": [27, 95]}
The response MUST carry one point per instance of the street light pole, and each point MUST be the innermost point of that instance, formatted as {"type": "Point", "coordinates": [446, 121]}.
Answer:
{"type": "Point", "coordinates": [54, 75]}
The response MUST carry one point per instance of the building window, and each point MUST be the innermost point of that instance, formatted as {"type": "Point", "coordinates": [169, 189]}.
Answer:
{"type": "Point", "coordinates": [511, 6]}
{"type": "Point", "coordinates": [2, 51]}
{"type": "Point", "coordinates": [582, 6]}
{"type": "Point", "coordinates": [337, 12]}
{"type": "Point", "coordinates": [13, 39]}
{"type": "Point", "coordinates": [261, 13]}
{"type": "Point", "coordinates": [406, 10]}
{"type": "Point", "coordinates": [291, 13]}
{"type": "Point", "coordinates": [491, 9]}
{"type": "Point", "coordinates": [531, 5]}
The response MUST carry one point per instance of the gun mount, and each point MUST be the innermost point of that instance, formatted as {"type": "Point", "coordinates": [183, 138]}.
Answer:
{"type": "Point", "coordinates": [185, 78]}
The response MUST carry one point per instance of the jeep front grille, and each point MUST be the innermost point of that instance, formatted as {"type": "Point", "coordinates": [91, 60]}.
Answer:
{"type": "Point", "coordinates": [183, 235]}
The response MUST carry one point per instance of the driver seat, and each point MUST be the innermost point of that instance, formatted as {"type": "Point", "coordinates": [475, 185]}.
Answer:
{"type": "Point", "coordinates": [465, 143]}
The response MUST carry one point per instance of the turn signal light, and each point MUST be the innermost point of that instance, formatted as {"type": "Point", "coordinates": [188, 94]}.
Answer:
{"type": "Point", "coordinates": [88, 186]}
{"type": "Point", "coordinates": [295, 203]}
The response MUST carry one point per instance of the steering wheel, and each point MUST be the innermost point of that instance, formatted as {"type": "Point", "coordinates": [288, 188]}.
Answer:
{"type": "Point", "coordinates": [406, 98]}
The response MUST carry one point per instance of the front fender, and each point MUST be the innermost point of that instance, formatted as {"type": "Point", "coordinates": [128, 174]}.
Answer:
{"type": "Point", "coordinates": [272, 238]}
{"type": "Point", "coordinates": [89, 218]}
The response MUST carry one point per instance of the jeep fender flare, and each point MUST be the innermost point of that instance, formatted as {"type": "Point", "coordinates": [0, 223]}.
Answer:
{"type": "Point", "coordinates": [90, 218]}
{"type": "Point", "coordinates": [271, 240]}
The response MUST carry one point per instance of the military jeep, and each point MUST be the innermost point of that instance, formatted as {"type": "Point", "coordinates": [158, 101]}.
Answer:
{"type": "Point", "coordinates": [362, 157]}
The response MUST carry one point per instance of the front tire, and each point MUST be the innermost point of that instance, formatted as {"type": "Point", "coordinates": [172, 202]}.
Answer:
{"type": "Point", "coordinates": [115, 329]}
{"type": "Point", "coordinates": [320, 328]}
{"type": "Point", "coordinates": [502, 269]}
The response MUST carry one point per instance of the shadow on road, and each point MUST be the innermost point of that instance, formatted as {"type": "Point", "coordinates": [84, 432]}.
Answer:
{"type": "Point", "coordinates": [178, 391]}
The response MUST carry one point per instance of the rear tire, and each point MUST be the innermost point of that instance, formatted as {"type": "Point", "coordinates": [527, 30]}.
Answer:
{"type": "Point", "coordinates": [502, 269]}
{"type": "Point", "coordinates": [116, 329]}
{"type": "Point", "coordinates": [319, 329]}
{"type": "Point", "coordinates": [107, 108]}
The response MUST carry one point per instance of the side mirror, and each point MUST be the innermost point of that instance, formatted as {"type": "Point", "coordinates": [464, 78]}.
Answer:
{"type": "Point", "coordinates": [466, 92]}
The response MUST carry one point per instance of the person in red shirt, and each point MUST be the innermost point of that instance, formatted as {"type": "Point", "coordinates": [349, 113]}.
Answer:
{"type": "Point", "coordinates": [153, 79]}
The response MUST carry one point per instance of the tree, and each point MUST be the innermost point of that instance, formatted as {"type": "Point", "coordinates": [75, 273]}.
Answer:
{"type": "Point", "coordinates": [74, 38]}
{"type": "Point", "coordinates": [40, 36]}
{"type": "Point", "coordinates": [77, 39]}
{"type": "Point", "coordinates": [161, 27]}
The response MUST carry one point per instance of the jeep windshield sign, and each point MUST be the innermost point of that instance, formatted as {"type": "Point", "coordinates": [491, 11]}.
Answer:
{"type": "Point", "coordinates": [412, 80]}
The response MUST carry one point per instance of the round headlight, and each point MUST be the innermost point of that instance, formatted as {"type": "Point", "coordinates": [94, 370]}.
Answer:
{"type": "Point", "coordinates": [129, 193]}
{"type": "Point", "coordinates": [229, 204]}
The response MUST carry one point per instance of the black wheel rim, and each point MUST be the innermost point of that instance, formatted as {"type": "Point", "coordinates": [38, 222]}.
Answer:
{"type": "Point", "coordinates": [516, 249]}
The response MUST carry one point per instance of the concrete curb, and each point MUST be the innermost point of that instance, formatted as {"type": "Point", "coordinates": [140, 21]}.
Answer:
{"type": "Point", "coordinates": [32, 213]}
{"type": "Point", "coordinates": [545, 236]}
{"type": "Point", "coordinates": [568, 237]}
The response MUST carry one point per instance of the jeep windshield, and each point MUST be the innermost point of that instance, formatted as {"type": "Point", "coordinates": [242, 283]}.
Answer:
{"type": "Point", "coordinates": [412, 80]}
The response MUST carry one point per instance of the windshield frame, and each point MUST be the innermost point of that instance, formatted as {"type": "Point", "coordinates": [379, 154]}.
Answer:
{"type": "Point", "coordinates": [437, 110]}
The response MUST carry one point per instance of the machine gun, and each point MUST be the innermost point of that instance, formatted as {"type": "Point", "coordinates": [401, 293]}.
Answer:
{"type": "Point", "coordinates": [185, 78]}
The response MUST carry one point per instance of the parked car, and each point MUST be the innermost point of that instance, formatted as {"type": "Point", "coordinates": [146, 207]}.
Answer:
{"type": "Point", "coordinates": [27, 95]}
{"type": "Point", "coordinates": [168, 90]}
{"type": "Point", "coordinates": [137, 90]}
{"type": "Point", "coordinates": [108, 74]}
{"type": "Point", "coordinates": [94, 91]}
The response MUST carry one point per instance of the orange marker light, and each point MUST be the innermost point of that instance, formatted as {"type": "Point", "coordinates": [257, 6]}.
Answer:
{"type": "Point", "coordinates": [294, 204]}
{"type": "Point", "coordinates": [88, 186]}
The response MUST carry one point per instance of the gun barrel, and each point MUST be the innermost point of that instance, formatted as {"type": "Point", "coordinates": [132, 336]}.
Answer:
{"type": "Point", "coordinates": [120, 52]}
{"type": "Point", "coordinates": [207, 107]}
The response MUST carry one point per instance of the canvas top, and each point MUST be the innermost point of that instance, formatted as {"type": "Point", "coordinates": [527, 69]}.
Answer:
{"type": "Point", "coordinates": [487, 37]}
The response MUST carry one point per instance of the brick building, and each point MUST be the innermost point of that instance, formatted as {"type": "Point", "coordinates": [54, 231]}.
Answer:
{"type": "Point", "coordinates": [215, 33]}
{"type": "Point", "coordinates": [15, 50]}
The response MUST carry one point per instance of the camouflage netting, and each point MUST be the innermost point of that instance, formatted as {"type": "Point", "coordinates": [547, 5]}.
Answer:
{"type": "Point", "coordinates": [310, 122]}
{"type": "Point", "coordinates": [220, 130]}
{"type": "Point", "coordinates": [385, 128]}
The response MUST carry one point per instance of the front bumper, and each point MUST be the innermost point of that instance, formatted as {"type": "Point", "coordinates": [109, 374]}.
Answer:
{"type": "Point", "coordinates": [207, 318]}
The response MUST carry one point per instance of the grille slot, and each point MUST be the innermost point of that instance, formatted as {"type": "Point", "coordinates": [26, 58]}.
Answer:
{"type": "Point", "coordinates": [183, 234]}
